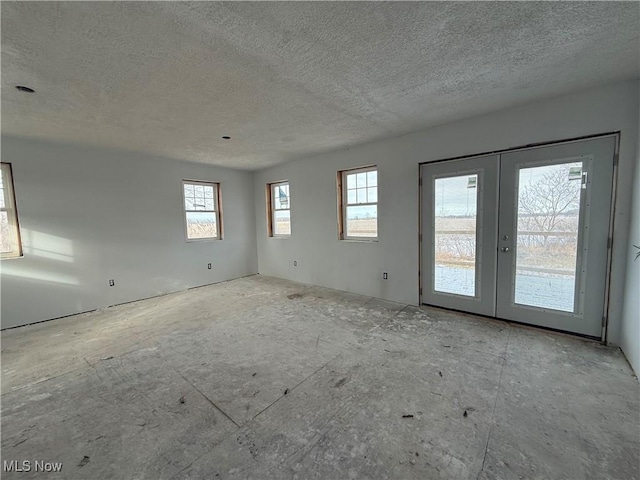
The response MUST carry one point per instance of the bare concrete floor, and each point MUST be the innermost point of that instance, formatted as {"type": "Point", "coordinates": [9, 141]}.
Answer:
{"type": "Point", "coordinates": [263, 378]}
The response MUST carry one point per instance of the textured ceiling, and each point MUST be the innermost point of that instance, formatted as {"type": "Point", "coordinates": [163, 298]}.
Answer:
{"type": "Point", "coordinates": [287, 80]}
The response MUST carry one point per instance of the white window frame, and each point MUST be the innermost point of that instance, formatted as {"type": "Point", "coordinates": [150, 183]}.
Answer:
{"type": "Point", "coordinates": [343, 204]}
{"type": "Point", "coordinates": [272, 209]}
{"type": "Point", "coordinates": [12, 213]}
{"type": "Point", "coordinates": [217, 210]}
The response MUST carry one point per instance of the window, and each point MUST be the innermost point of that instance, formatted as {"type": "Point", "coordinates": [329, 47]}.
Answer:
{"type": "Point", "coordinates": [279, 209]}
{"type": "Point", "coordinates": [10, 245]}
{"type": "Point", "coordinates": [358, 204]}
{"type": "Point", "coordinates": [202, 210]}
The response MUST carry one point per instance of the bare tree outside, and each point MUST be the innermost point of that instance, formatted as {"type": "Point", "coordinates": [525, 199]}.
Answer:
{"type": "Point", "coordinates": [547, 235]}
{"type": "Point", "coordinates": [546, 243]}
{"type": "Point", "coordinates": [549, 204]}
{"type": "Point", "coordinates": [548, 217]}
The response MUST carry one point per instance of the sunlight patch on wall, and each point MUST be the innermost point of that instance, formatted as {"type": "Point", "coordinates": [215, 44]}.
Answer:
{"type": "Point", "coordinates": [47, 246]}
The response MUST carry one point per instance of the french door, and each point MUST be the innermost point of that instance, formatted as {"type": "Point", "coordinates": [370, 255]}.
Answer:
{"type": "Point", "coordinates": [522, 235]}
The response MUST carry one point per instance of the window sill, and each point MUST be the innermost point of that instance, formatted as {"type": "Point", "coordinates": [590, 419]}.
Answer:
{"type": "Point", "coordinates": [359, 240]}
{"type": "Point", "coordinates": [15, 257]}
{"type": "Point", "coordinates": [197, 240]}
{"type": "Point", "coordinates": [280, 237]}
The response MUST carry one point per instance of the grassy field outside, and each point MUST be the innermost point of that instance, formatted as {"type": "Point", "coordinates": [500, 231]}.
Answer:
{"type": "Point", "coordinates": [197, 230]}
{"type": "Point", "coordinates": [364, 227]}
{"type": "Point", "coordinates": [455, 244]}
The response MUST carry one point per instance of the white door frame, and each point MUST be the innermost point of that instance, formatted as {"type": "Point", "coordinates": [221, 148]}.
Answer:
{"type": "Point", "coordinates": [486, 169]}
{"type": "Point", "coordinates": [423, 276]}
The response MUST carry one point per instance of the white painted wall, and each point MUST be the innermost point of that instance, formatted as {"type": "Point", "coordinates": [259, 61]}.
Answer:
{"type": "Point", "coordinates": [88, 215]}
{"type": "Point", "coordinates": [630, 338]}
{"type": "Point", "coordinates": [357, 267]}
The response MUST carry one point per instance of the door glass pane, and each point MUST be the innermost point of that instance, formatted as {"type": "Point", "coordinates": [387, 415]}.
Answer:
{"type": "Point", "coordinates": [455, 213]}
{"type": "Point", "coordinates": [547, 235]}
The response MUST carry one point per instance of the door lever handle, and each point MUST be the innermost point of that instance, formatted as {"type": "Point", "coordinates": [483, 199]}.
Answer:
{"type": "Point", "coordinates": [505, 249]}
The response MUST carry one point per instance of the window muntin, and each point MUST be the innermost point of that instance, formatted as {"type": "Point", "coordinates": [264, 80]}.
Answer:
{"type": "Point", "coordinates": [359, 209]}
{"type": "Point", "coordinates": [202, 210]}
{"type": "Point", "coordinates": [10, 244]}
{"type": "Point", "coordinates": [279, 209]}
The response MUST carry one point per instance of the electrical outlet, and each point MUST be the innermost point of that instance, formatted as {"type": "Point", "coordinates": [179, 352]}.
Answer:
{"type": "Point", "coordinates": [112, 283]}
{"type": "Point", "coordinates": [385, 276]}
{"type": "Point", "coordinates": [295, 263]}
{"type": "Point", "coordinates": [209, 266]}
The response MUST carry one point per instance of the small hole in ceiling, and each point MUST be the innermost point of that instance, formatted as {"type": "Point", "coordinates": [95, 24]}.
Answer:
{"type": "Point", "coordinates": [22, 88]}
{"type": "Point", "coordinates": [226, 137]}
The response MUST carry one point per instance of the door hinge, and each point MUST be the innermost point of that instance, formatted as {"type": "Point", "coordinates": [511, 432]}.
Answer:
{"type": "Point", "coordinates": [609, 242]}
{"type": "Point", "coordinates": [616, 158]}
{"type": "Point", "coordinates": [420, 237]}
{"type": "Point", "coordinates": [420, 182]}
{"type": "Point", "coordinates": [420, 290]}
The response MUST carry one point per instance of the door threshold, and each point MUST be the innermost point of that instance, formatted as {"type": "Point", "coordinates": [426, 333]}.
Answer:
{"type": "Point", "coordinates": [528, 326]}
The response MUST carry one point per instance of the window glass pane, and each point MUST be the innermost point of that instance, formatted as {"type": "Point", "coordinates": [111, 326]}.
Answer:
{"type": "Point", "coordinates": [2, 200]}
{"type": "Point", "coordinates": [372, 178]}
{"type": "Point", "coordinates": [362, 195]}
{"type": "Point", "coordinates": [547, 235]}
{"type": "Point", "coordinates": [362, 221]}
{"type": "Point", "coordinates": [5, 233]}
{"type": "Point", "coordinates": [199, 191]}
{"type": "Point", "coordinates": [201, 225]}
{"type": "Point", "coordinates": [455, 207]}
{"type": "Point", "coordinates": [198, 204]}
{"type": "Point", "coordinates": [282, 223]}
{"type": "Point", "coordinates": [208, 204]}
{"type": "Point", "coordinates": [208, 192]}
{"type": "Point", "coordinates": [281, 196]}
{"type": "Point", "coordinates": [351, 180]}
{"type": "Point", "coordinates": [189, 197]}
{"type": "Point", "coordinates": [351, 196]}
{"type": "Point", "coordinates": [372, 195]}
{"type": "Point", "coordinates": [9, 239]}
{"type": "Point", "coordinates": [361, 180]}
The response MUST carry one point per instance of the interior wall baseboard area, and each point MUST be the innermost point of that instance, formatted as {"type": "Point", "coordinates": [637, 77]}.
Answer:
{"type": "Point", "coordinates": [92, 215]}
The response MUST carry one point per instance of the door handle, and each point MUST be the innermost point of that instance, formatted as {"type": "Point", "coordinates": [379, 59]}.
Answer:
{"type": "Point", "coordinates": [505, 249]}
